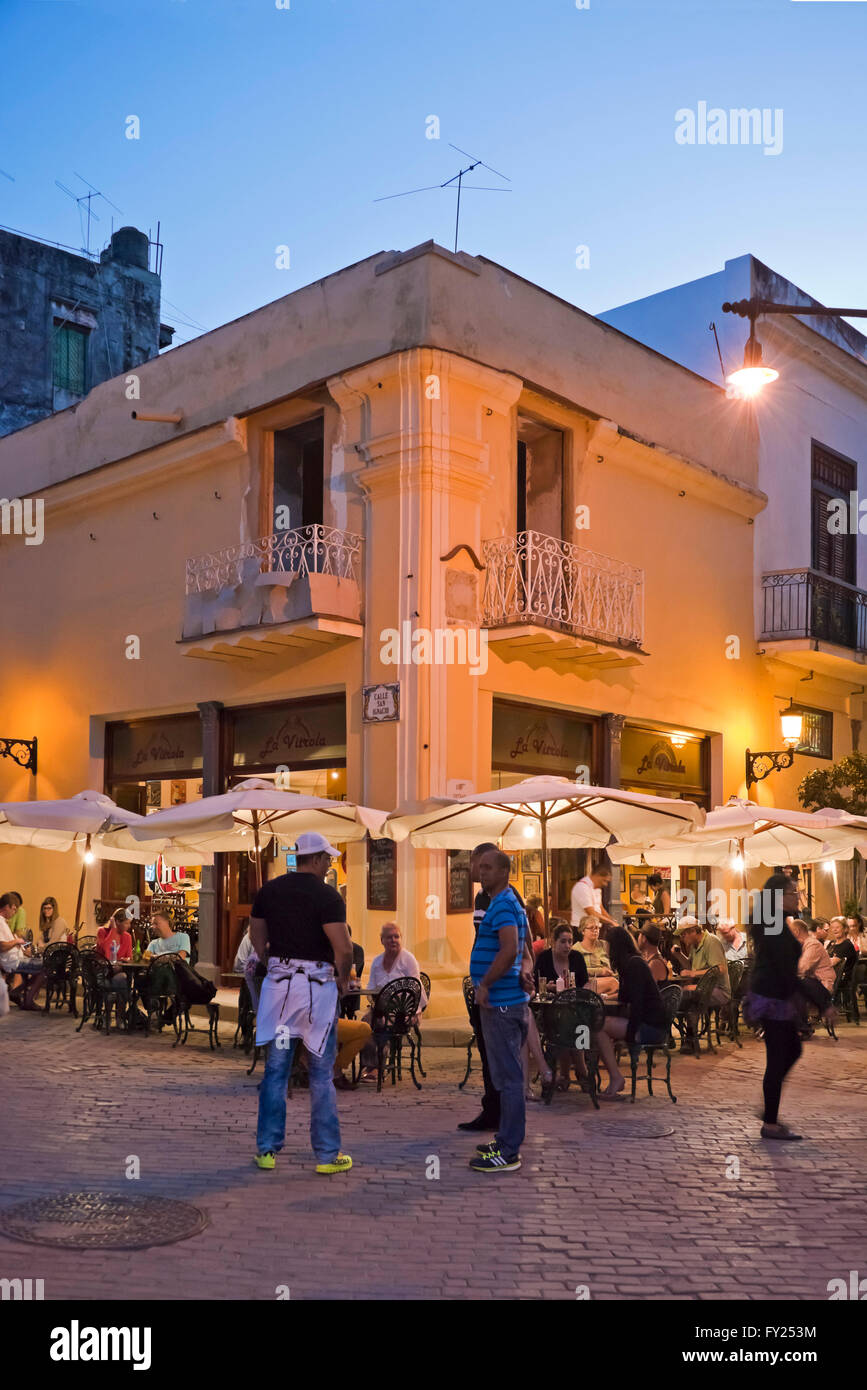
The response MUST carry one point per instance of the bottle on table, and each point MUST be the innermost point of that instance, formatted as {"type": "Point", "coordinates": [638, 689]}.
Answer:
{"type": "Point", "coordinates": [113, 952]}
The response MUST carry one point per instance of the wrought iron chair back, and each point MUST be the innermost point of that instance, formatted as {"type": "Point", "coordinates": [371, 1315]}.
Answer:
{"type": "Point", "coordinates": [391, 1020]}
{"type": "Point", "coordinates": [62, 966]}
{"type": "Point", "coordinates": [96, 1001]}
{"type": "Point", "coordinates": [469, 994]}
{"type": "Point", "coordinates": [425, 984]}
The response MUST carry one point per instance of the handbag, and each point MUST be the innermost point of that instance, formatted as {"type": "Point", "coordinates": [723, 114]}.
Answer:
{"type": "Point", "coordinates": [193, 987]}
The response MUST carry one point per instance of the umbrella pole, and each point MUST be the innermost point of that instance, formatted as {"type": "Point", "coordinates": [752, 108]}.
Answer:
{"type": "Point", "coordinates": [545, 869]}
{"type": "Point", "coordinates": [76, 923]}
{"type": "Point", "coordinates": [258, 849]}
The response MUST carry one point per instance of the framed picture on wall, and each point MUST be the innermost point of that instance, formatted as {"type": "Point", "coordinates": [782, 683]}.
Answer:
{"type": "Point", "coordinates": [515, 862]}
{"type": "Point", "coordinates": [382, 875]}
{"type": "Point", "coordinates": [532, 886]}
{"type": "Point", "coordinates": [531, 861]}
{"type": "Point", "coordinates": [637, 890]}
{"type": "Point", "coordinates": [153, 796]}
{"type": "Point", "coordinates": [179, 793]}
{"type": "Point", "coordinates": [460, 886]}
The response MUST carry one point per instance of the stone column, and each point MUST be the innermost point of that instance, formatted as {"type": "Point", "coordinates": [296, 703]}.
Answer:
{"type": "Point", "coordinates": [419, 424]}
{"type": "Point", "coordinates": [613, 731]}
{"type": "Point", "coordinates": [212, 777]}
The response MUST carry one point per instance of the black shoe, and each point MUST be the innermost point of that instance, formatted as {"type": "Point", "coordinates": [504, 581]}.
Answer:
{"type": "Point", "coordinates": [481, 1122]}
{"type": "Point", "coordinates": [495, 1162]}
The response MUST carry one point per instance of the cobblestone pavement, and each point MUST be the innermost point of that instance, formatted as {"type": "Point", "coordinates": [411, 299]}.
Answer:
{"type": "Point", "coordinates": [633, 1201]}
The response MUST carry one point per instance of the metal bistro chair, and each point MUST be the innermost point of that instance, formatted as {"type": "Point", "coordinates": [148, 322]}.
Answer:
{"type": "Point", "coordinates": [98, 998]}
{"type": "Point", "coordinates": [859, 982]}
{"type": "Point", "coordinates": [670, 996]}
{"type": "Point", "coordinates": [698, 1014]}
{"type": "Point", "coordinates": [185, 1026]}
{"type": "Point", "coordinates": [245, 1029]}
{"type": "Point", "coordinates": [416, 1032]}
{"type": "Point", "coordinates": [62, 966]}
{"type": "Point", "coordinates": [849, 992]}
{"type": "Point", "coordinates": [393, 1011]}
{"type": "Point", "coordinates": [731, 1011]}
{"type": "Point", "coordinates": [844, 994]}
{"type": "Point", "coordinates": [571, 1024]}
{"type": "Point", "coordinates": [470, 1002]}
{"type": "Point", "coordinates": [158, 992]}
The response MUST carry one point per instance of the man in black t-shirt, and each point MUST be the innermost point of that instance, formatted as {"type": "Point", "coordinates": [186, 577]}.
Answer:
{"type": "Point", "coordinates": [300, 921]}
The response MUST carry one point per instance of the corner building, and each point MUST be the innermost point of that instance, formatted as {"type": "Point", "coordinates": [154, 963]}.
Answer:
{"type": "Point", "coordinates": [421, 441]}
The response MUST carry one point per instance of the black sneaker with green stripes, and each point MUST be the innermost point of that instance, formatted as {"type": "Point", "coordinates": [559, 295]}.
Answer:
{"type": "Point", "coordinates": [495, 1162]}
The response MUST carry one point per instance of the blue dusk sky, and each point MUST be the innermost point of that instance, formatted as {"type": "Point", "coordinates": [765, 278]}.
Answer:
{"type": "Point", "coordinates": [262, 127]}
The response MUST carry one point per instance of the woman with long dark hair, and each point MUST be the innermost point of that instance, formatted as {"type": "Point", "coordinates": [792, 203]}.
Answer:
{"type": "Point", "coordinates": [773, 999]}
{"type": "Point", "coordinates": [637, 989]}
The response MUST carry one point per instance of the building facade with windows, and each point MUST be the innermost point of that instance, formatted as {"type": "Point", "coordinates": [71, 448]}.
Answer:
{"type": "Point", "coordinates": [424, 473]}
{"type": "Point", "coordinates": [810, 570]}
{"type": "Point", "coordinates": [68, 321]}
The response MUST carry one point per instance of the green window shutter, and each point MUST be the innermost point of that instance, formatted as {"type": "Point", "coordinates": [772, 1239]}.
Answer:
{"type": "Point", "coordinates": [70, 356]}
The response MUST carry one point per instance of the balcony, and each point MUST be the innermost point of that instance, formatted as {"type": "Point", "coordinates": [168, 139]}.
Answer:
{"type": "Point", "coordinates": [549, 598]}
{"type": "Point", "coordinates": [296, 590]}
{"type": "Point", "coordinates": [815, 622]}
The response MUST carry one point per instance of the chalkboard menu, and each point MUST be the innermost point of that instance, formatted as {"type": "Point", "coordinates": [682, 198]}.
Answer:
{"type": "Point", "coordinates": [460, 898]}
{"type": "Point", "coordinates": [382, 875]}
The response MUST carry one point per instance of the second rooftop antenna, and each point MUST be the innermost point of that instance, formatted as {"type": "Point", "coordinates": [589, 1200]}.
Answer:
{"type": "Point", "coordinates": [459, 176]}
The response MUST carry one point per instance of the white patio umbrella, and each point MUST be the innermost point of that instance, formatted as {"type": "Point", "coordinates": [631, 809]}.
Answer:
{"type": "Point", "coordinates": [551, 812]}
{"type": "Point", "coordinates": [90, 821]}
{"type": "Point", "coordinates": [254, 811]}
{"type": "Point", "coordinates": [759, 834]}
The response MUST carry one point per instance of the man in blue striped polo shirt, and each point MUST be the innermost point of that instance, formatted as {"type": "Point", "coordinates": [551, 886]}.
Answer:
{"type": "Point", "coordinates": [495, 969]}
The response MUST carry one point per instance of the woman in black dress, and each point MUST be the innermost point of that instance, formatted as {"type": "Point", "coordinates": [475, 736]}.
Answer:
{"type": "Point", "coordinates": [637, 989]}
{"type": "Point", "coordinates": [773, 999]}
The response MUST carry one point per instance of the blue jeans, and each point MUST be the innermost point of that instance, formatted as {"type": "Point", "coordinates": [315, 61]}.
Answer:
{"type": "Point", "coordinates": [324, 1122]}
{"type": "Point", "coordinates": [505, 1032]}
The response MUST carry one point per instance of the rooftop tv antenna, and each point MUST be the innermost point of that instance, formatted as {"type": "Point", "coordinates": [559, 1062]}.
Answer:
{"type": "Point", "coordinates": [86, 198]}
{"type": "Point", "coordinates": [459, 176]}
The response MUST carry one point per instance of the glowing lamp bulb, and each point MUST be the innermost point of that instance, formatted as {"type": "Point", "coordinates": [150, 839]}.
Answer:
{"type": "Point", "coordinates": [529, 832]}
{"type": "Point", "coordinates": [749, 381]}
{"type": "Point", "coordinates": [793, 727]}
{"type": "Point", "coordinates": [677, 740]}
{"type": "Point", "coordinates": [89, 856]}
{"type": "Point", "coordinates": [753, 376]}
{"type": "Point", "coordinates": [738, 862]}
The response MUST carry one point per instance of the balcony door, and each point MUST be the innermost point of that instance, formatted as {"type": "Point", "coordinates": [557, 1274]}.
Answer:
{"type": "Point", "coordinates": [299, 476]}
{"type": "Point", "coordinates": [539, 478]}
{"type": "Point", "coordinates": [833, 617]}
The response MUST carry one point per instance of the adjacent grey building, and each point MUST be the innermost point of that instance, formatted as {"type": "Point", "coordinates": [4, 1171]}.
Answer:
{"type": "Point", "coordinates": [68, 322]}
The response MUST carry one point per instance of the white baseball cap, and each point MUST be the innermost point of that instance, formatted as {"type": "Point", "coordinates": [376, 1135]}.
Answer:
{"type": "Point", "coordinates": [314, 843]}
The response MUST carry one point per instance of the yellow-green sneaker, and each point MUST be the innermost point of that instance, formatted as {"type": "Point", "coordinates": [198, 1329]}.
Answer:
{"type": "Point", "coordinates": [341, 1164]}
{"type": "Point", "coordinates": [266, 1160]}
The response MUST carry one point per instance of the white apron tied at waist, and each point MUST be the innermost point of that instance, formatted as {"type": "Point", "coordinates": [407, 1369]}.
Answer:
{"type": "Point", "coordinates": [298, 1000]}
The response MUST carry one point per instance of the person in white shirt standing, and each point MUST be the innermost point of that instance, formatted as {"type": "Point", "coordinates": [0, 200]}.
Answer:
{"type": "Point", "coordinates": [587, 896]}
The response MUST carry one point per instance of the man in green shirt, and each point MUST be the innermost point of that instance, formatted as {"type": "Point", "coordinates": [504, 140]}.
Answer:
{"type": "Point", "coordinates": [705, 952]}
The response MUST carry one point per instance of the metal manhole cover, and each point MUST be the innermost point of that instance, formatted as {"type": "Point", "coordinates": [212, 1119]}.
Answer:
{"type": "Point", "coordinates": [100, 1220]}
{"type": "Point", "coordinates": [635, 1129]}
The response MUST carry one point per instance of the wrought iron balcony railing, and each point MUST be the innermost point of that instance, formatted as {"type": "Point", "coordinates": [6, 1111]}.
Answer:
{"type": "Point", "coordinates": [538, 579]}
{"type": "Point", "coordinates": [307, 550]}
{"type": "Point", "coordinates": [805, 603]}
